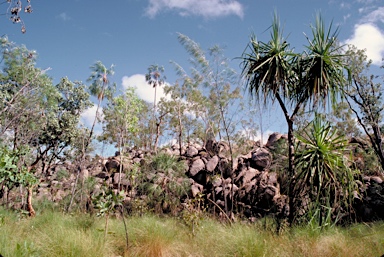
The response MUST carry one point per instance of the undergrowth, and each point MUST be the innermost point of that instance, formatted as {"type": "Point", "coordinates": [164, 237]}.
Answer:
{"type": "Point", "coordinates": [52, 233]}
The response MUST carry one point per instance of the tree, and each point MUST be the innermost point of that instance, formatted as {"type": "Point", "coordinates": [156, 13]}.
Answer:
{"type": "Point", "coordinates": [120, 123]}
{"type": "Point", "coordinates": [295, 81]}
{"type": "Point", "coordinates": [100, 87]}
{"type": "Point", "coordinates": [155, 78]}
{"type": "Point", "coordinates": [34, 113]}
{"type": "Point", "coordinates": [178, 115]}
{"type": "Point", "coordinates": [57, 127]}
{"type": "Point", "coordinates": [219, 94]}
{"type": "Point", "coordinates": [365, 99]}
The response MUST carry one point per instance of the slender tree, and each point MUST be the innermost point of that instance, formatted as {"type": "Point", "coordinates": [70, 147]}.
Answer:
{"type": "Point", "coordinates": [155, 78]}
{"type": "Point", "coordinates": [218, 96]}
{"type": "Point", "coordinates": [121, 116]}
{"type": "Point", "coordinates": [100, 87]}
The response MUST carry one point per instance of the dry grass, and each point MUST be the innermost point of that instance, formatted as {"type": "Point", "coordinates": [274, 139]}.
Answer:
{"type": "Point", "coordinates": [56, 234]}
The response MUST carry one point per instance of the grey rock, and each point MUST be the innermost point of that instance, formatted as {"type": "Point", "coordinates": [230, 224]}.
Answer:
{"type": "Point", "coordinates": [261, 158]}
{"type": "Point", "coordinates": [212, 163]}
{"type": "Point", "coordinates": [196, 166]}
{"type": "Point", "coordinates": [192, 151]}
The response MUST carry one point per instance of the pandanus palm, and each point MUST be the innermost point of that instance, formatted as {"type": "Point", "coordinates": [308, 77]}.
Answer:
{"type": "Point", "coordinates": [267, 69]}
{"type": "Point", "coordinates": [271, 70]}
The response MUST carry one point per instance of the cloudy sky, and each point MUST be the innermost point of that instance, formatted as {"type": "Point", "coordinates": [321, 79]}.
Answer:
{"type": "Point", "coordinates": [71, 35]}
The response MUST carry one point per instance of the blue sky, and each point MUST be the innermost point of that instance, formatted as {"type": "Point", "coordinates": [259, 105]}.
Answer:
{"type": "Point", "coordinates": [69, 36]}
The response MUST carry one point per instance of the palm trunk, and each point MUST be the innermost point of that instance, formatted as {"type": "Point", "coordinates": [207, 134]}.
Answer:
{"type": "Point", "coordinates": [291, 153]}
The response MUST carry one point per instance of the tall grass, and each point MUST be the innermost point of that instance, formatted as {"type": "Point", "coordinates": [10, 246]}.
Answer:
{"type": "Point", "coordinates": [55, 234]}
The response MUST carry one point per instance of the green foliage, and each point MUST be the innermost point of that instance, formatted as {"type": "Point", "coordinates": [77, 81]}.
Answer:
{"type": "Point", "coordinates": [215, 93]}
{"type": "Point", "coordinates": [107, 201]}
{"type": "Point", "coordinates": [324, 182]}
{"type": "Point", "coordinates": [280, 164]}
{"type": "Point", "coordinates": [322, 65]}
{"type": "Point", "coordinates": [10, 174]}
{"type": "Point", "coordinates": [365, 99]}
{"type": "Point", "coordinates": [267, 67]}
{"type": "Point", "coordinates": [62, 174]}
{"type": "Point", "coordinates": [99, 79]}
{"type": "Point", "coordinates": [165, 183]}
{"type": "Point", "coordinates": [193, 212]}
{"type": "Point", "coordinates": [155, 76]}
{"type": "Point", "coordinates": [121, 118]}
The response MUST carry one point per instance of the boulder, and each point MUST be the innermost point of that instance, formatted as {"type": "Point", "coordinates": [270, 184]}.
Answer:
{"type": "Point", "coordinates": [112, 165]}
{"type": "Point", "coordinates": [84, 174]}
{"type": "Point", "coordinates": [192, 151]}
{"type": "Point", "coordinates": [261, 159]}
{"type": "Point", "coordinates": [212, 163]}
{"type": "Point", "coordinates": [376, 179]}
{"type": "Point", "coordinates": [272, 139]}
{"type": "Point", "coordinates": [197, 165]}
{"type": "Point", "coordinates": [124, 181]}
{"type": "Point", "coordinates": [196, 189]}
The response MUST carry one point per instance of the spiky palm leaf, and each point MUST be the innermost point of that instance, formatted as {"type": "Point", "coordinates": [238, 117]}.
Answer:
{"type": "Point", "coordinates": [267, 67]}
{"type": "Point", "coordinates": [323, 175]}
{"type": "Point", "coordinates": [322, 65]}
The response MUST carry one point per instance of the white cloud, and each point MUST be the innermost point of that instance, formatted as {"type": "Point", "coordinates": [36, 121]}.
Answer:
{"type": "Point", "coordinates": [63, 16]}
{"type": "Point", "coordinates": [375, 16]}
{"type": "Point", "coordinates": [143, 89]}
{"type": "Point", "coordinates": [205, 8]}
{"type": "Point", "coordinates": [370, 37]}
{"type": "Point", "coordinates": [88, 116]}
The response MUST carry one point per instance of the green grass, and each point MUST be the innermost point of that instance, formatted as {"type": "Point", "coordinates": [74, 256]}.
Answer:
{"type": "Point", "coordinates": [55, 234]}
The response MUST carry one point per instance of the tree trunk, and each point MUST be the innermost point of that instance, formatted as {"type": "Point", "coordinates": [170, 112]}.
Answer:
{"type": "Point", "coordinates": [158, 124]}
{"type": "Point", "coordinates": [30, 209]}
{"type": "Point", "coordinates": [121, 164]}
{"type": "Point", "coordinates": [180, 132]}
{"type": "Point", "coordinates": [291, 168]}
{"type": "Point", "coordinates": [106, 226]}
{"type": "Point", "coordinates": [125, 226]}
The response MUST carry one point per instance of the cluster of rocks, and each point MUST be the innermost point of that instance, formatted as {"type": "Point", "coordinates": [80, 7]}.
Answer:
{"type": "Point", "coordinates": [245, 181]}
{"type": "Point", "coordinates": [247, 184]}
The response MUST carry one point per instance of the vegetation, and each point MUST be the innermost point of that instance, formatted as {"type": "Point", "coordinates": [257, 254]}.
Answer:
{"type": "Point", "coordinates": [57, 234]}
{"type": "Point", "coordinates": [318, 177]}
{"type": "Point", "coordinates": [273, 71]}
{"type": "Point", "coordinates": [325, 182]}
